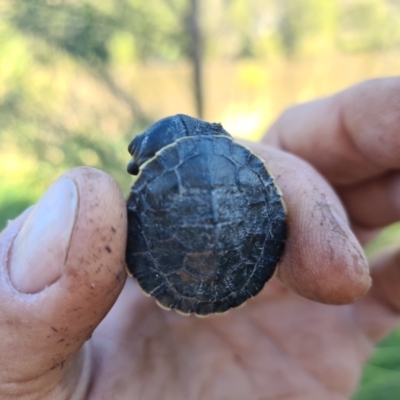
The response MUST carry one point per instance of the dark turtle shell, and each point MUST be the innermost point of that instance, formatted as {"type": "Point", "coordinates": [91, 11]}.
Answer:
{"type": "Point", "coordinates": [206, 221]}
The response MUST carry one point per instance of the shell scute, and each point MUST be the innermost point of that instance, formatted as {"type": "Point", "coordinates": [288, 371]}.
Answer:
{"type": "Point", "coordinates": [185, 283]}
{"type": "Point", "coordinates": [231, 235]}
{"type": "Point", "coordinates": [250, 186]}
{"type": "Point", "coordinates": [240, 155]}
{"type": "Point", "coordinates": [201, 264]}
{"type": "Point", "coordinates": [194, 173]}
{"type": "Point", "coordinates": [221, 170]}
{"type": "Point", "coordinates": [166, 298]}
{"type": "Point", "coordinates": [228, 260]}
{"type": "Point", "coordinates": [168, 264]}
{"type": "Point", "coordinates": [196, 205]}
{"type": "Point", "coordinates": [163, 191]}
{"type": "Point", "coordinates": [149, 174]}
{"type": "Point", "coordinates": [229, 204]}
{"type": "Point", "coordinates": [255, 164]}
{"type": "Point", "coordinates": [194, 239]}
{"type": "Point", "coordinates": [204, 308]}
{"type": "Point", "coordinates": [222, 147]}
{"type": "Point", "coordinates": [186, 150]}
{"type": "Point", "coordinates": [145, 268]}
{"type": "Point", "coordinates": [154, 224]}
{"type": "Point", "coordinates": [169, 158]}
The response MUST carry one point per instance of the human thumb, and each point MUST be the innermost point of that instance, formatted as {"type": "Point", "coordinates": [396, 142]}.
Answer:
{"type": "Point", "coordinates": [61, 270]}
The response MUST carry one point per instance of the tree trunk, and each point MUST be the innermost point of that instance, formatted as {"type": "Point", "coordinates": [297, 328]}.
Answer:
{"type": "Point", "coordinates": [196, 54]}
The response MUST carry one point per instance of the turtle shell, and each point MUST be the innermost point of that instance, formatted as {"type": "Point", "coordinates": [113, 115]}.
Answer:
{"type": "Point", "coordinates": [206, 225]}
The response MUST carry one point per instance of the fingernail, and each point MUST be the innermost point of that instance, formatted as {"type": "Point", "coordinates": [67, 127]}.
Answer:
{"type": "Point", "coordinates": [41, 247]}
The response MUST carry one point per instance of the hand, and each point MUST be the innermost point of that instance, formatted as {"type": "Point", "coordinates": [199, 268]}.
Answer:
{"type": "Point", "coordinates": [61, 269]}
{"type": "Point", "coordinates": [283, 344]}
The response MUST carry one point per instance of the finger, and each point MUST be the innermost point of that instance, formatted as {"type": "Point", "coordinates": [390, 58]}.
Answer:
{"type": "Point", "coordinates": [379, 311]}
{"type": "Point", "coordinates": [374, 203]}
{"type": "Point", "coordinates": [348, 137]}
{"type": "Point", "coordinates": [322, 261]}
{"type": "Point", "coordinates": [61, 270]}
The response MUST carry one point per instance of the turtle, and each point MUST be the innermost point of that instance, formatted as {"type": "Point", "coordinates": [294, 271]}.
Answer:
{"type": "Point", "coordinates": [206, 220]}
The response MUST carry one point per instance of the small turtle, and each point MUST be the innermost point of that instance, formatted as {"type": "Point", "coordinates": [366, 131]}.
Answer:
{"type": "Point", "coordinates": [206, 221]}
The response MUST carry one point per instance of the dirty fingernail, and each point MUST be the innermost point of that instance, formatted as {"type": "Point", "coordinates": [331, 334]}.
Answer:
{"type": "Point", "coordinates": [41, 247]}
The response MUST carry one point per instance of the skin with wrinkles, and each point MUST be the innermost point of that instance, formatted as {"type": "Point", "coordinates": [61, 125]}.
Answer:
{"type": "Point", "coordinates": [308, 333]}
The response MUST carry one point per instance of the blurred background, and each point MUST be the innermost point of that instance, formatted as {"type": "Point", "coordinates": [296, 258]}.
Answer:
{"type": "Point", "coordinates": [80, 78]}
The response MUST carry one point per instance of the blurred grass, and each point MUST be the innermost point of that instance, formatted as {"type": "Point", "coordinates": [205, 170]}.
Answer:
{"type": "Point", "coordinates": [381, 375]}
{"type": "Point", "coordinates": [13, 205]}
{"type": "Point", "coordinates": [389, 237]}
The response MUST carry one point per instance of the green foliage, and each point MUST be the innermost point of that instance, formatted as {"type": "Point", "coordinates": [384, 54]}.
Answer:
{"type": "Point", "coordinates": [13, 204]}
{"type": "Point", "coordinates": [298, 28]}
{"type": "Point", "coordinates": [85, 30]}
{"type": "Point", "coordinates": [73, 27]}
{"type": "Point", "coordinates": [369, 25]}
{"type": "Point", "coordinates": [380, 378]}
{"type": "Point", "coordinates": [305, 22]}
{"type": "Point", "coordinates": [381, 374]}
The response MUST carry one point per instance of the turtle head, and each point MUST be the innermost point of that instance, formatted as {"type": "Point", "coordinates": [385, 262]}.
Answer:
{"type": "Point", "coordinates": [165, 132]}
